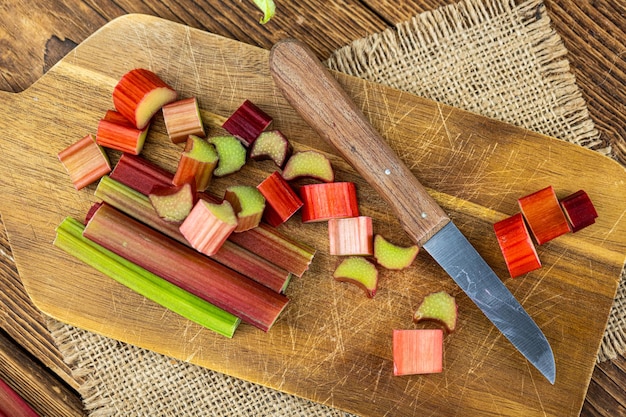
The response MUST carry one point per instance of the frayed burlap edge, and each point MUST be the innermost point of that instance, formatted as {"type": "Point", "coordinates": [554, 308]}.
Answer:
{"type": "Point", "coordinates": [380, 57]}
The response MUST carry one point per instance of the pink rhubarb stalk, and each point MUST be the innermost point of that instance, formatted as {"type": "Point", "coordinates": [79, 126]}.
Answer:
{"type": "Point", "coordinates": [208, 226]}
{"type": "Point", "coordinates": [351, 236]}
{"type": "Point", "coordinates": [85, 162]}
{"type": "Point", "coordinates": [417, 351]}
{"type": "Point", "coordinates": [326, 201]}
{"type": "Point", "coordinates": [182, 118]}
{"type": "Point", "coordinates": [12, 404]}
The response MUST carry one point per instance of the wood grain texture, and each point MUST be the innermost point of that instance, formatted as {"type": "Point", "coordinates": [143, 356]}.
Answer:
{"type": "Point", "coordinates": [347, 363]}
{"type": "Point", "coordinates": [44, 32]}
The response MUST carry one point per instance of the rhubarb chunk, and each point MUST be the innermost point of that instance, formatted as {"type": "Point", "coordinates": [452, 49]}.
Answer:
{"type": "Point", "coordinates": [248, 203]}
{"type": "Point", "coordinates": [139, 94]}
{"type": "Point", "coordinates": [333, 200]}
{"type": "Point", "coordinates": [544, 215]}
{"type": "Point", "coordinates": [359, 271]}
{"type": "Point", "coordinates": [247, 123]}
{"type": "Point", "coordinates": [417, 351]}
{"type": "Point", "coordinates": [208, 226]}
{"type": "Point", "coordinates": [231, 153]}
{"type": "Point", "coordinates": [182, 118]}
{"type": "Point", "coordinates": [439, 307]}
{"type": "Point", "coordinates": [309, 164]}
{"type": "Point", "coordinates": [579, 210]}
{"type": "Point", "coordinates": [350, 236]}
{"type": "Point", "coordinates": [392, 256]}
{"type": "Point", "coordinates": [197, 162]}
{"type": "Point", "coordinates": [516, 245]}
{"type": "Point", "coordinates": [119, 134]}
{"type": "Point", "coordinates": [173, 203]}
{"type": "Point", "coordinates": [282, 201]}
{"type": "Point", "coordinates": [85, 162]}
{"type": "Point", "coordinates": [271, 144]}
{"type": "Point", "coordinates": [140, 174]}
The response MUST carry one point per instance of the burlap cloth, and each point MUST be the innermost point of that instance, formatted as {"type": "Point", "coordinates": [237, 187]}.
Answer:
{"type": "Point", "coordinates": [488, 56]}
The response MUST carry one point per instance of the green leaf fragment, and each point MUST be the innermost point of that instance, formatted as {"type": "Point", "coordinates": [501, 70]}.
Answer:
{"type": "Point", "coordinates": [267, 7]}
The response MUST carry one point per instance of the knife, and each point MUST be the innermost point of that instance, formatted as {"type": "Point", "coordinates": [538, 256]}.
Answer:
{"type": "Point", "coordinates": [319, 99]}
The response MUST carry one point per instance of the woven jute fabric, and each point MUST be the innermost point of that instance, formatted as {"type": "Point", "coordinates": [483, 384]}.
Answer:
{"type": "Point", "coordinates": [492, 57]}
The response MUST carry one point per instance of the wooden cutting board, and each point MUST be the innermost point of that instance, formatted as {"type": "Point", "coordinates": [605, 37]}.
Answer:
{"type": "Point", "coordinates": [332, 344]}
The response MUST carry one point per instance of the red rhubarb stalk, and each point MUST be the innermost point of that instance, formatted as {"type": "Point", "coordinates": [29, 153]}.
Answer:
{"type": "Point", "coordinates": [579, 210]}
{"type": "Point", "coordinates": [208, 225]}
{"type": "Point", "coordinates": [417, 351]}
{"type": "Point", "coordinates": [247, 123]}
{"type": "Point", "coordinates": [139, 94]}
{"type": "Point", "coordinates": [516, 245]}
{"type": "Point", "coordinates": [117, 132]}
{"type": "Point", "coordinates": [328, 201]}
{"type": "Point", "coordinates": [140, 174]}
{"type": "Point", "coordinates": [184, 267]}
{"type": "Point", "coordinates": [351, 236]}
{"type": "Point", "coordinates": [182, 118]}
{"type": "Point", "coordinates": [282, 202]}
{"type": "Point", "coordinates": [544, 215]}
{"type": "Point", "coordinates": [12, 404]}
{"type": "Point", "coordinates": [85, 162]}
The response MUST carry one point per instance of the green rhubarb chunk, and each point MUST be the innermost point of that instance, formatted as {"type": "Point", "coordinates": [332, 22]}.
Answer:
{"type": "Point", "coordinates": [309, 164]}
{"type": "Point", "coordinates": [223, 212]}
{"type": "Point", "coordinates": [273, 145]}
{"type": "Point", "coordinates": [248, 203]}
{"type": "Point", "coordinates": [359, 271]}
{"type": "Point", "coordinates": [201, 150]}
{"type": "Point", "coordinates": [231, 152]}
{"type": "Point", "coordinates": [439, 307]}
{"type": "Point", "coordinates": [391, 256]}
{"type": "Point", "coordinates": [173, 204]}
{"type": "Point", "coordinates": [69, 237]}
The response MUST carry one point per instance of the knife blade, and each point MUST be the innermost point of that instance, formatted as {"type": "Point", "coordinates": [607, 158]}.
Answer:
{"type": "Point", "coordinates": [320, 100]}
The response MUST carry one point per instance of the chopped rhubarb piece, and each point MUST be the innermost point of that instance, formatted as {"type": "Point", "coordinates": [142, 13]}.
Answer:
{"type": "Point", "coordinates": [248, 203]}
{"type": "Point", "coordinates": [197, 162]}
{"type": "Point", "coordinates": [350, 236]}
{"type": "Point", "coordinates": [69, 238]}
{"type": "Point", "coordinates": [516, 245]}
{"type": "Point", "coordinates": [544, 215]}
{"type": "Point", "coordinates": [232, 255]}
{"type": "Point", "coordinates": [439, 307]}
{"type": "Point", "coordinates": [359, 271]}
{"type": "Point", "coordinates": [117, 132]}
{"type": "Point", "coordinates": [277, 248]}
{"type": "Point", "coordinates": [85, 162]}
{"type": "Point", "coordinates": [208, 226]}
{"type": "Point", "coordinates": [417, 351]}
{"type": "Point", "coordinates": [12, 404]}
{"type": "Point", "coordinates": [271, 144]}
{"type": "Point", "coordinates": [247, 123]}
{"type": "Point", "coordinates": [139, 94]}
{"type": "Point", "coordinates": [183, 266]}
{"type": "Point", "coordinates": [579, 210]}
{"type": "Point", "coordinates": [173, 203]}
{"type": "Point", "coordinates": [392, 256]}
{"type": "Point", "coordinates": [140, 174]}
{"type": "Point", "coordinates": [232, 154]}
{"type": "Point", "coordinates": [326, 201]}
{"type": "Point", "coordinates": [282, 201]}
{"type": "Point", "coordinates": [182, 118]}
{"type": "Point", "coordinates": [309, 164]}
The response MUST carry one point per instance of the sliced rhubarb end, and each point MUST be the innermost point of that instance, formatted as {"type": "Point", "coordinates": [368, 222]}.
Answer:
{"type": "Point", "coordinates": [282, 202]}
{"type": "Point", "coordinates": [271, 144]}
{"type": "Point", "coordinates": [231, 153]}
{"type": "Point", "coordinates": [121, 136]}
{"type": "Point", "coordinates": [182, 118]}
{"type": "Point", "coordinates": [417, 351]}
{"type": "Point", "coordinates": [85, 162]}
{"type": "Point", "coordinates": [173, 203]}
{"type": "Point", "coordinates": [358, 271]}
{"type": "Point", "coordinates": [309, 164]}
{"type": "Point", "coordinates": [579, 210]}
{"type": "Point", "coordinates": [439, 307]}
{"type": "Point", "coordinates": [198, 161]}
{"type": "Point", "coordinates": [351, 236]}
{"type": "Point", "coordinates": [140, 174]}
{"type": "Point", "coordinates": [392, 256]}
{"type": "Point", "coordinates": [544, 215]}
{"type": "Point", "coordinates": [139, 94]}
{"type": "Point", "coordinates": [516, 245]}
{"type": "Point", "coordinates": [247, 123]}
{"type": "Point", "coordinates": [208, 225]}
{"type": "Point", "coordinates": [249, 205]}
{"type": "Point", "coordinates": [327, 201]}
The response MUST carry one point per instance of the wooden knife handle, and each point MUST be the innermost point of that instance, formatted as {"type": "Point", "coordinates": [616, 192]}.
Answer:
{"type": "Point", "coordinates": [326, 107]}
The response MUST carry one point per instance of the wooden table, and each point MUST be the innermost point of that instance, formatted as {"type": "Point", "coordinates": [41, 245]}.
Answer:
{"type": "Point", "coordinates": [34, 36]}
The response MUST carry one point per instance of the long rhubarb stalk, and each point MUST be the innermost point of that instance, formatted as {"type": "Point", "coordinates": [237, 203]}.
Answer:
{"type": "Point", "coordinates": [244, 261]}
{"type": "Point", "coordinates": [185, 267]}
{"type": "Point", "coordinates": [140, 174]}
{"type": "Point", "coordinates": [69, 237]}
{"type": "Point", "coordinates": [12, 404]}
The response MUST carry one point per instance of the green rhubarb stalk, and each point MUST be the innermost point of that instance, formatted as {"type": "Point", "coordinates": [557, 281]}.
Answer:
{"type": "Point", "coordinates": [69, 237]}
